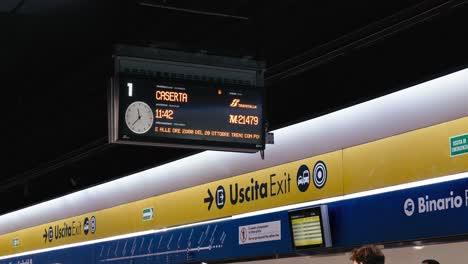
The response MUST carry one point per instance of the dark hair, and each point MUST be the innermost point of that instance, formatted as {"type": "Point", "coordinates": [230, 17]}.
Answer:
{"type": "Point", "coordinates": [368, 254]}
{"type": "Point", "coordinates": [430, 261]}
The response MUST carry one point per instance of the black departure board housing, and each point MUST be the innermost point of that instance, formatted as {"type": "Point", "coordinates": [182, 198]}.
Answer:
{"type": "Point", "coordinates": [176, 99]}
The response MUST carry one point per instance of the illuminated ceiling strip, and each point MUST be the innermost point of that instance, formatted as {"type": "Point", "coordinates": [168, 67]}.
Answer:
{"type": "Point", "coordinates": [399, 187]}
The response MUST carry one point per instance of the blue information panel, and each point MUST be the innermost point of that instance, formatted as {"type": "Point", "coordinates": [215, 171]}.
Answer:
{"type": "Point", "coordinates": [436, 210]}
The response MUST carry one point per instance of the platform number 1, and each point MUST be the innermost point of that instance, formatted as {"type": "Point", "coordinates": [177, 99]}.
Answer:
{"type": "Point", "coordinates": [130, 89]}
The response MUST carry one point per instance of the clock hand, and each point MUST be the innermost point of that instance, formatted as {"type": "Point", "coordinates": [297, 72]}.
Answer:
{"type": "Point", "coordinates": [139, 116]}
{"type": "Point", "coordinates": [136, 121]}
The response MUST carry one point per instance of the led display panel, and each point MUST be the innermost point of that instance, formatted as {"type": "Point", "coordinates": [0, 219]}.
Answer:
{"type": "Point", "coordinates": [189, 114]}
{"type": "Point", "coordinates": [310, 227]}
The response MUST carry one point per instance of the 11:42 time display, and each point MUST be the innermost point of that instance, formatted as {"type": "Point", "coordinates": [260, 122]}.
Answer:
{"type": "Point", "coordinates": [164, 114]}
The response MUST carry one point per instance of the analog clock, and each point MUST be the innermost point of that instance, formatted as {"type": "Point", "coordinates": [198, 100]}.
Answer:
{"type": "Point", "coordinates": [139, 117]}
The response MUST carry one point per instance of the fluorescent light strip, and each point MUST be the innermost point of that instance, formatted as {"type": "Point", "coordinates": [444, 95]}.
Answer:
{"type": "Point", "coordinates": [404, 186]}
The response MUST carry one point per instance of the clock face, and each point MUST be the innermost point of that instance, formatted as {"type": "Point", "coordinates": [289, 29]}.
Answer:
{"type": "Point", "coordinates": [139, 117]}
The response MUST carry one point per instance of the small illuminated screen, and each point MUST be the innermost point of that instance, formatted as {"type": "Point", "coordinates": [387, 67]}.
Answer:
{"type": "Point", "coordinates": [306, 226]}
{"type": "Point", "coordinates": [190, 113]}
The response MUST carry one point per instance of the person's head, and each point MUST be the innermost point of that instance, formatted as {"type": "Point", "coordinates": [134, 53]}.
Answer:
{"type": "Point", "coordinates": [368, 254]}
{"type": "Point", "coordinates": [430, 261]}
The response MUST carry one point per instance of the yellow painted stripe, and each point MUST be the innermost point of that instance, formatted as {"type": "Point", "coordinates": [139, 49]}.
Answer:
{"type": "Point", "coordinates": [409, 157]}
{"type": "Point", "coordinates": [279, 186]}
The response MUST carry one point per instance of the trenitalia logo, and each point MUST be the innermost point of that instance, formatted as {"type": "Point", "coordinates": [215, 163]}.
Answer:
{"type": "Point", "coordinates": [236, 103]}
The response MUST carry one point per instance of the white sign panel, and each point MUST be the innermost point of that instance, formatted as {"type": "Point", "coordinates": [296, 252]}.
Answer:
{"type": "Point", "coordinates": [260, 232]}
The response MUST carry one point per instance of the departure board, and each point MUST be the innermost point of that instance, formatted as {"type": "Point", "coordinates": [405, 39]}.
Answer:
{"type": "Point", "coordinates": [308, 229]}
{"type": "Point", "coordinates": [192, 114]}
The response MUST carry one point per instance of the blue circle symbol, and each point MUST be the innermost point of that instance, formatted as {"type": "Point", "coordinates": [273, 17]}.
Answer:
{"type": "Point", "coordinates": [86, 225]}
{"type": "Point", "coordinates": [220, 197]}
{"type": "Point", "coordinates": [51, 233]}
{"type": "Point", "coordinates": [303, 178]}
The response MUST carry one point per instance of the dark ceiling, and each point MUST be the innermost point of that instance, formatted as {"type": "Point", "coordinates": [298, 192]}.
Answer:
{"type": "Point", "coordinates": [321, 56]}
